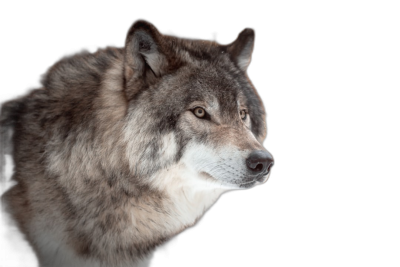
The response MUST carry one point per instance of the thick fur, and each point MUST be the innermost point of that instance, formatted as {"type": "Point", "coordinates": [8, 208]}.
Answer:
{"type": "Point", "coordinates": [110, 160]}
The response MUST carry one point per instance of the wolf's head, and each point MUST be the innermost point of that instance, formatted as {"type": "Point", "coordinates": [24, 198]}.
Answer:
{"type": "Point", "coordinates": [192, 105]}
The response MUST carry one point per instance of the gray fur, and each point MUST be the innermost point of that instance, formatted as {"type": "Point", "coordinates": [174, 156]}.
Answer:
{"type": "Point", "coordinates": [110, 160]}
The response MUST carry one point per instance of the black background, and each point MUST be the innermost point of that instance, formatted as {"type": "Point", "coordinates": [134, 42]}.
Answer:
{"type": "Point", "coordinates": [291, 218]}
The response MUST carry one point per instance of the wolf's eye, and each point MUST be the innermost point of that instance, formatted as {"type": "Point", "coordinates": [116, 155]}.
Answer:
{"type": "Point", "coordinates": [243, 114]}
{"type": "Point", "coordinates": [199, 112]}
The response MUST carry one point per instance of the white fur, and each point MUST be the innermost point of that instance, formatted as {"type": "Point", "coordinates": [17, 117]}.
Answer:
{"type": "Point", "coordinates": [169, 147]}
{"type": "Point", "coordinates": [244, 57]}
{"type": "Point", "coordinates": [155, 61]}
{"type": "Point", "coordinates": [225, 165]}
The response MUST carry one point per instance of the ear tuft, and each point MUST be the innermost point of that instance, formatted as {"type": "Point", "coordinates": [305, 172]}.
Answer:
{"type": "Point", "coordinates": [144, 46]}
{"type": "Point", "coordinates": [242, 48]}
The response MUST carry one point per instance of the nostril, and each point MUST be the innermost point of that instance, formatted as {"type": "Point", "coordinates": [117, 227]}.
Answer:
{"type": "Point", "coordinates": [259, 167]}
{"type": "Point", "coordinates": [259, 161]}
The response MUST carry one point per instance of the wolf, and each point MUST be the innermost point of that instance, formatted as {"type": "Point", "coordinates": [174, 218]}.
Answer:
{"type": "Point", "coordinates": [124, 148]}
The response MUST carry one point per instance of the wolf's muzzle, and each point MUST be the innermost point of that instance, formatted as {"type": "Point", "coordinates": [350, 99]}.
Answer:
{"type": "Point", "coordinates": [260, 162]}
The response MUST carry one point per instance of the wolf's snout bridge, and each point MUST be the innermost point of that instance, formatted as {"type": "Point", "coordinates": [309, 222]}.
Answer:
{"type": "Point", "coordinates": [260, 161]}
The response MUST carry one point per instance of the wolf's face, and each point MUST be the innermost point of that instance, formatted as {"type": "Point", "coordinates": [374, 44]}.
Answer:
{"type": "Point", "coordinates": [203, 113]}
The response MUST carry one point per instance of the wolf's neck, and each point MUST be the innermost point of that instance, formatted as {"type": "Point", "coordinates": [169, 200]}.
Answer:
{"type": "Point", "coordinates": [184, 200]}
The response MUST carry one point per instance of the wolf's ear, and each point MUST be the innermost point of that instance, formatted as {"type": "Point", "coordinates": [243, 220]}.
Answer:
{"type": "Point", "coordinates": [143, 51]}
{"type": "Point", "coordinates": [242, 48]}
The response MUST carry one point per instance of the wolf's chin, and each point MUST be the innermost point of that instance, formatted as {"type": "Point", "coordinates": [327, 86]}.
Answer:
{"type": "Point", "coordinates": [245, 185]}
{"type": "Point", "coordinates": [256, 181]}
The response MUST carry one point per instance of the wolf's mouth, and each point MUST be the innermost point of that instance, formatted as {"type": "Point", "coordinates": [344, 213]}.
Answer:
{"type": "Point", "coordinates": [256, 181]}
{"type": "Point", "coordinates": [264, 178]}
{"type": "Point", "coordinates": [247, 184]}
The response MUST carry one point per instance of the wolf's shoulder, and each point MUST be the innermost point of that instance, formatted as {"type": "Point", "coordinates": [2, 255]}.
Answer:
{"type": "Point", "coordinates": [81, 71]}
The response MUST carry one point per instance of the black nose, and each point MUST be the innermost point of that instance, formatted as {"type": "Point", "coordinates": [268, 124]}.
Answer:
{"type": "Point", "coordinates": [260, 161]}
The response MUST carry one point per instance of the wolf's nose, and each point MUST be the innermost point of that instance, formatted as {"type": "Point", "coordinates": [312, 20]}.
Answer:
{"type": "Point", "coordinates": [260, 161]}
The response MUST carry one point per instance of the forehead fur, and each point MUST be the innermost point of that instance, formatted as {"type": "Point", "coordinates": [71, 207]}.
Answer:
{"type": "Point", "coordinates": [206, 73]}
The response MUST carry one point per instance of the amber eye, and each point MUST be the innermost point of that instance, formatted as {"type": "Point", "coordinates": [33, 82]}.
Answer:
{"type": "Point", "coordinates": [243, 114]}
{"type": "Point", "coordinates": [199, 112]}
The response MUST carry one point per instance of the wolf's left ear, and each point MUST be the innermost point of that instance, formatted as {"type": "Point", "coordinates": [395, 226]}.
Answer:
{"type": "Point", "coordinates": [143, 51]}
{"type": "Point", "coordinates": [242, 48]}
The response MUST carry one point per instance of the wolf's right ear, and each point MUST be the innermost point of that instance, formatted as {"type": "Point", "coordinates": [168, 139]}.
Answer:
{"type": "Point", "coordinates": [143, 52]}
{"type": "Point", "coordinates": [242, 48]}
